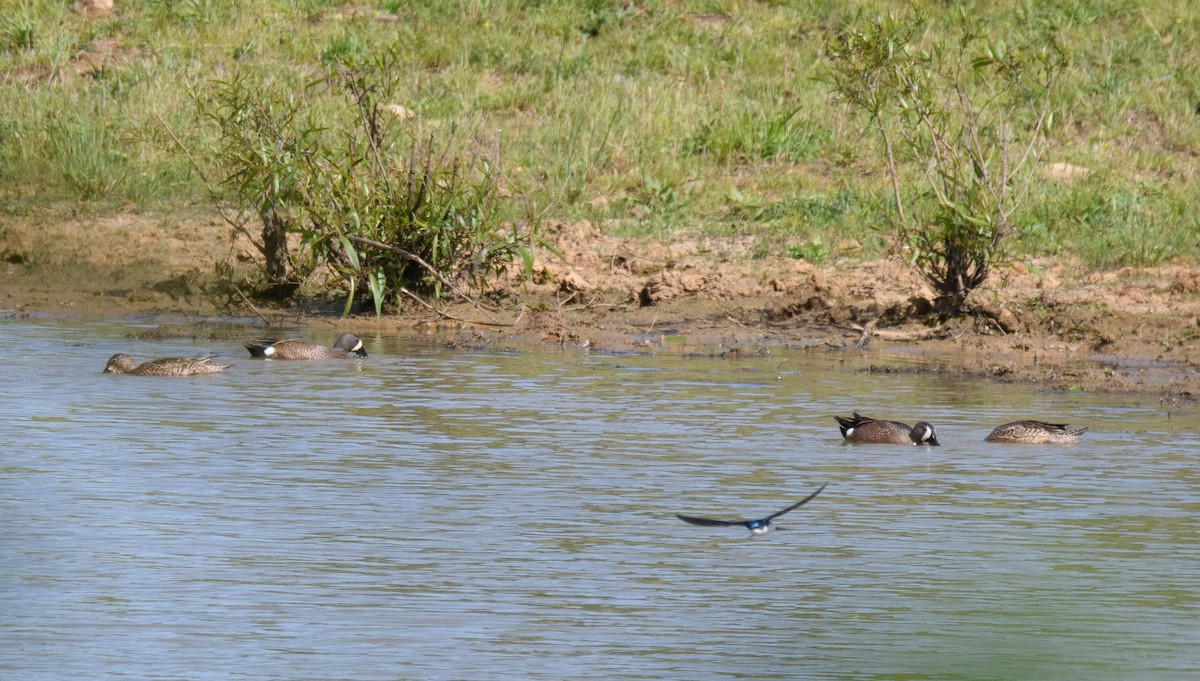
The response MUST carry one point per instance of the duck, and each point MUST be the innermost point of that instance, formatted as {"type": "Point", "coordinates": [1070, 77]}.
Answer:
{"type": "Point", "coordinates": [168, 366]}
{"type": "Point", "coordinates": [1036, 433]}
{"type": "Point", "coordinates": [860, 429]}
{"type": "Point", "coordinates": [756, 527]}
{"type": "Point", "coordinates": [298, 349]}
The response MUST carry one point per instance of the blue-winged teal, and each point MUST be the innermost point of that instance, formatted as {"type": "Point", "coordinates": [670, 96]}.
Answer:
{"type": "Point", "coordinates": [861, 429]}
{"type": "Point", "coordinates": [1036, 433]}
{"type": "Point", "coordinates": [298, 349]}
{"type": "Point", "coordinates": [169, 366]}
{"type": "Point", "coordinates": [756, 527]}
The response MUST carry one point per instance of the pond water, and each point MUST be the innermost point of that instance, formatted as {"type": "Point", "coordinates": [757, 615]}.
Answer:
{"type": "Point", "coordinates": [435, 514]}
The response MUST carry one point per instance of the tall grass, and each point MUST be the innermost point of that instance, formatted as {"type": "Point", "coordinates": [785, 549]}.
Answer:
{"type": "Point", "coordinates": [658, 117]}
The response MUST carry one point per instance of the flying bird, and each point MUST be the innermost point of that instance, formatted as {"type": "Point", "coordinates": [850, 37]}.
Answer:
{"type": "Point", "coordinates": [756, 527]}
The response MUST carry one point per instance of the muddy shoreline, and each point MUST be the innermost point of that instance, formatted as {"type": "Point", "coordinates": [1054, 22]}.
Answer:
{"type": "Point", "coordinates": [1044, 323]}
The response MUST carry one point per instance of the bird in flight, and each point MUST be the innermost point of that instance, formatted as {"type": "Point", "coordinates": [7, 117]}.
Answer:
{"type": "Point", "coordinates": [756, 527]}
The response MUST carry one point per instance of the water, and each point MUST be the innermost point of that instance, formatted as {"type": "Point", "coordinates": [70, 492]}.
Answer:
{"type": "Point", "coordinates": [435, 514]}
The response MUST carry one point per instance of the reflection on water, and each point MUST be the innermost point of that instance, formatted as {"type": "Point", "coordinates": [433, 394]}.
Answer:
{"type": "Point", "coordinates": [440, 515]}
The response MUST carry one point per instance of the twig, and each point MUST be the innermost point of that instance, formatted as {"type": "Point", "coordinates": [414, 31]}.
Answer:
{"type": "Point", "coordinates": [653, 322]}
{"type": "Point", "coordinates": [593, 303]}
{"type": "Point", "coordinates": [246, 300]}
{"type": "Point", "coordinates": [447, 315]}
{"type": "Point", "coordinates": [426, 305]}
{"type": "Point", "coordinates": [407, 255]}
{"type": "Point", "coordinates": [869, 331]}
{"type": "Point", "coordinates": [865, 338]}
{"type": "Point", "coordinates": [731, 320]}
{"type": "Point", "coordinates": [195, 166]}
{"type": "Point", "coordinates": [559, 303]}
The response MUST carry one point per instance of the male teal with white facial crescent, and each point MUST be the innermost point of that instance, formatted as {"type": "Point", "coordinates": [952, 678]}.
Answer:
{"type": "Point", "coordinates": [860, 429]}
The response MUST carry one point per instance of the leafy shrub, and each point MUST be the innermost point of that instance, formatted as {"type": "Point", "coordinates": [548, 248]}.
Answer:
{"type": "Point", "coordinates": [337, 163]}
{"type": "Point", "coordinates": [970, 114]}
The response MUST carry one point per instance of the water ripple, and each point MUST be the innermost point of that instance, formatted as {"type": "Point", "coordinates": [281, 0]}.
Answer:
{"type": "Point", "coordinates": [437, 515]}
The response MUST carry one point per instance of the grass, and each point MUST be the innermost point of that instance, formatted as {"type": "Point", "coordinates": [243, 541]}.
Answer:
{"type": "Point", "coordinates": [656, 118]}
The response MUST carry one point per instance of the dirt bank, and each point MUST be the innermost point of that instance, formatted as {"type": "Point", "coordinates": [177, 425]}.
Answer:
{"type": "Point", "coordinates": [1132, 331]}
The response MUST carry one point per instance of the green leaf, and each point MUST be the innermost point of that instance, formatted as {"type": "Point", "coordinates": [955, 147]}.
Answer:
{"type": "Point", "coordinates": [351, 253]}
{"type": "Point", "coordinates": [377, 282]}
{"type": "Point", "coordinates": [527, 261]}
{"type": "Point", "coordinates": [349, 299]}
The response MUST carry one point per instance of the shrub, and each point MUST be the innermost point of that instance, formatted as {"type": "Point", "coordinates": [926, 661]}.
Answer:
{"type": "Point", "coordinates": [970, 113]}
{"type": "Point", "coordinates": [337, 163]}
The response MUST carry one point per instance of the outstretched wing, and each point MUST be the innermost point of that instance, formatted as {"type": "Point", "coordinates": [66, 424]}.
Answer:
{"type": "Point", "coordinates": [709, 522]}
{"type": "Point", "coordinates": [796, 505]}
{"type": "Point", "coordinates": [712, 522]}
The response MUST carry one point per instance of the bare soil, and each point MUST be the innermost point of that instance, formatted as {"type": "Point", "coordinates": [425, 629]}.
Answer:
{"type": "Point", "coordinates": [1046, 322]}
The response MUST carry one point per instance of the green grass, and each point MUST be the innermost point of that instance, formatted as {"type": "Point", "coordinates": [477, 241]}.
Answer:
{"type": "Point", "coordinates": [654, 118]}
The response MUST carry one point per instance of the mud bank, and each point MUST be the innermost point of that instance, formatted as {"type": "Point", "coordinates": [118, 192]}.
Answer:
{"type": "Point", "coordinates": [1045, 322]}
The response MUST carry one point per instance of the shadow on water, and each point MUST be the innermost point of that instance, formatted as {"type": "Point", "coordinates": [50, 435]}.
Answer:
{"type": "Point", "coordinates": [434, 514]}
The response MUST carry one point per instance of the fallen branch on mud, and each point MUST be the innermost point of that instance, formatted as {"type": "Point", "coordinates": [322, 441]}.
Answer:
{"type": "Point", "coordinates": [246, 300]}
{"type": "Point", "coordinates": [446, 315]}
{"type": "Point", "coordinates": [868, 331]}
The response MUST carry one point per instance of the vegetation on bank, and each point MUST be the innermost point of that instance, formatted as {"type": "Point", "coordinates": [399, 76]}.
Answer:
{"type": "Point", "coordinates": [655, 118]}
{"type": "Point", "coordinates": [972, 111]}
{"type": "Point", "coordinates": [377, 210]}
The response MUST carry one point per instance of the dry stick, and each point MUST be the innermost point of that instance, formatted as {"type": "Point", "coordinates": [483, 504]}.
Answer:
{"type": "Point", "coordinates": [593, 303]}
{"type": "Point", "coordinates": [447, 315]}
{"type": "Point", "coordinates": [417, 298]}
{"type": "Point", "coordinates": [370, 125]}
{"type": "Point", "coordinates": [195, 166]}
{"type": "Point", "coordinates": [891, 163]}
{"type": "Point", "coordinates": [212, 192]}
{"type": "Point", "coordinates": [255, 309]}
{"type": "Point", "coordinates": [559, 303]}
{"type": "Point", "coordinates": [869, 330]}
{"type": "Point", "coordinates": [1030, 150]}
